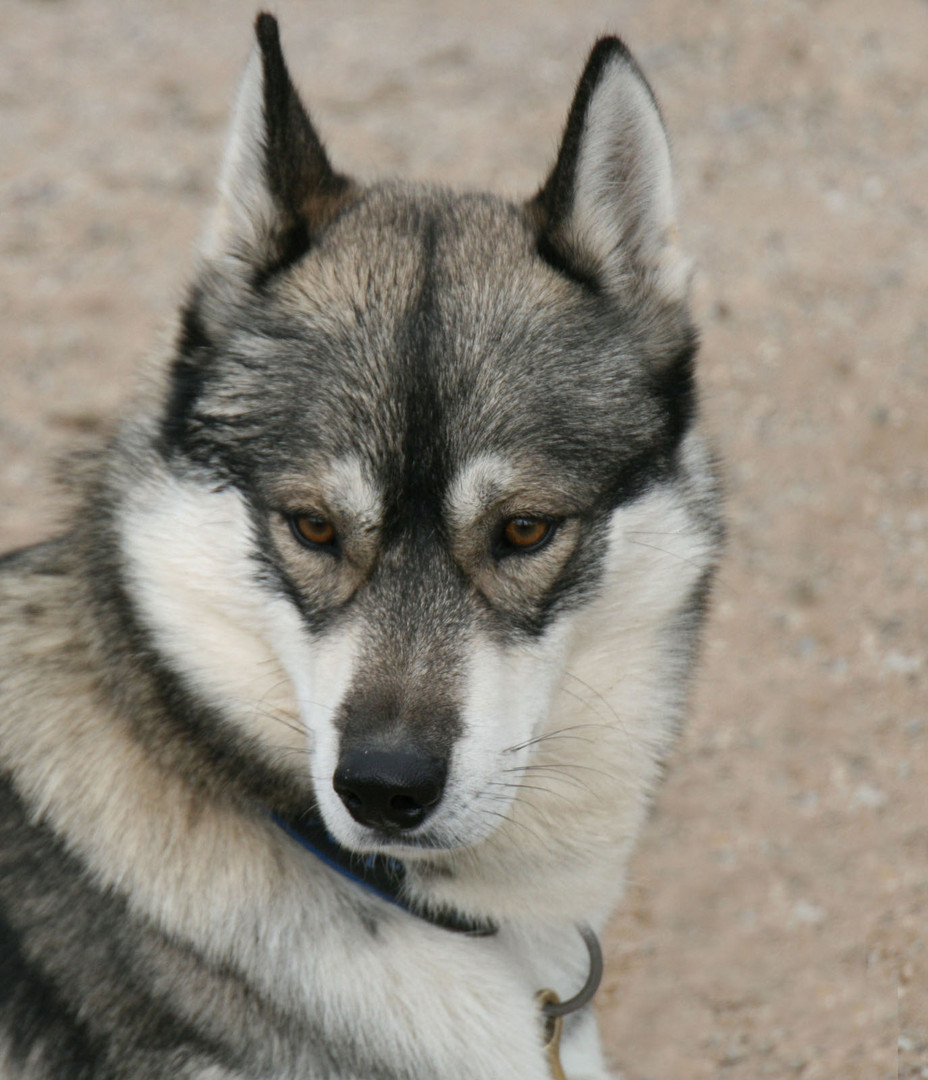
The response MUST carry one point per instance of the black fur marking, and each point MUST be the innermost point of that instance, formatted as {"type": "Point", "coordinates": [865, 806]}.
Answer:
{"type": "Point", "coordinates": [272, 574]}
{"type": "Point", "coordinates": [187, 376]}
{"type": "Point", "coordinates": [555, 258]}
{"type": "Point", "coordinates": [293, 245]}
{"type": "Point", "coordinates": [419, 490]}
{"type": "Point", "coordinates": [675, 385]}
{"type": "Point", "coordinates": [32, 1014]}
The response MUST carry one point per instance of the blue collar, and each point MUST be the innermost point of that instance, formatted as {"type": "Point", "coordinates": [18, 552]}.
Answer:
{"type": "Point", "coordinates": [379, 874]}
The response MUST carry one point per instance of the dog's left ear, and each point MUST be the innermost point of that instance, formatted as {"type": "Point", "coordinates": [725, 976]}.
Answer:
{"type": "Point", "coordinates": [277, 189]}
{"type": "Point", "coordinates": [606, 213]}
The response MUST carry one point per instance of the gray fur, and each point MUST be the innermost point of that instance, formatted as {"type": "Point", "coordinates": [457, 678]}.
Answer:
{"type": "Point", "coordinates": [420, 368]}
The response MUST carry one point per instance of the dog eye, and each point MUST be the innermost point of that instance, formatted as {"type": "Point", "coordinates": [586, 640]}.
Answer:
{"type": "Point", "coordinates": [523, 534]}
{"type": "Point", "coordinates": [313, 531]}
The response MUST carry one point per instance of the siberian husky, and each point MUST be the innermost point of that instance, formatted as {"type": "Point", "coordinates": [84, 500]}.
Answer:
{"type": "Point", "coordinates": [328, 725]}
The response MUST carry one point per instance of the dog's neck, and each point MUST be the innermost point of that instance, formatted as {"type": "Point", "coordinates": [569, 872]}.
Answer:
{"type": "Point", "coordinates": [380, 874]}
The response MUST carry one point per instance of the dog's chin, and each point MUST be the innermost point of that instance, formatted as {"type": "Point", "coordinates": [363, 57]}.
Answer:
{"type": "Point", "coordinates": [415, 848]}
{"type": "Point", "coordinates": [417, 844]}
{"type": "Point", "coordinates": [406, 846]}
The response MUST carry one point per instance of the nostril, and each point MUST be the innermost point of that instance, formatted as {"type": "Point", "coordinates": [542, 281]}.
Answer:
{"type": "Point", "coordinates": [405, 804]}
{"type": "Point", "coordinates": [405, 812]}
{"type": "Point", "coordinates": [351, 799]}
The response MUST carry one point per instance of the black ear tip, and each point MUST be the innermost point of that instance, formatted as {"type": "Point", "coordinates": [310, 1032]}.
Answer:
{"type": "Point", "coordinates": [608, 48]}
{"type": "Point", "coordinates": [611, 50]}
{"type": "Point", "coordinates": [267, 31]}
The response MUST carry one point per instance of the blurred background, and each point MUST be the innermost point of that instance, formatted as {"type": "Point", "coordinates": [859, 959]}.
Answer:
{"type": "Point", "coordinates": [777, 921]}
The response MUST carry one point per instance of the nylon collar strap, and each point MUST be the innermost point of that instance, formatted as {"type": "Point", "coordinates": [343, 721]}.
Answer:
{"type": "Point", "coordinates": [379, 874]}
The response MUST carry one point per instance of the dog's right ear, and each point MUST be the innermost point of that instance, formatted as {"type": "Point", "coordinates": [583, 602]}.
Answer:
{"type": "Point", "coordinates": [277, 189]}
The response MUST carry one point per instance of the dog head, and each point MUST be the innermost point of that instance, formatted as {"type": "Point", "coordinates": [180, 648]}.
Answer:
{"type": "Point", "coordinates": [402, 447]}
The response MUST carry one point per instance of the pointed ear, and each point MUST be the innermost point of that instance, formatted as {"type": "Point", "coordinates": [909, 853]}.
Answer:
{"type": "Point", "coordinates": [277, 189]}
{"type": "Point", "coordinates": [606, 213]}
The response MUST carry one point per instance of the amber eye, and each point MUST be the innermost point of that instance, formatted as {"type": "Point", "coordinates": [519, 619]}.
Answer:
{"type": "Point", "coordinates": [525, 534]}
{"type": "Point", "coordinates": [313, 531]}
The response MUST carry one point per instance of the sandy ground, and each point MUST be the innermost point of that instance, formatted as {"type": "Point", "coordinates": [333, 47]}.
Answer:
{"type": "Point", "coordinates": [776, 926]}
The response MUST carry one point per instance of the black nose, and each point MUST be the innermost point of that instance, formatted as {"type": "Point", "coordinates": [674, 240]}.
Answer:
{"type": "Point", "coordinates": [389, 789]}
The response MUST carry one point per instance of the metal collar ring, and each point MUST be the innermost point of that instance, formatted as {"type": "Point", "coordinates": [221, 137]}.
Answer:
{"type": "Point", "coordinates": [553, 1009]}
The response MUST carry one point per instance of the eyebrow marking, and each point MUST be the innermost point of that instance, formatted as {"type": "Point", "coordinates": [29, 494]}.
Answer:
{"type": "Point", "coordinates": [340, 484]}
{"type": "Point", "coordinates": [481, 483]}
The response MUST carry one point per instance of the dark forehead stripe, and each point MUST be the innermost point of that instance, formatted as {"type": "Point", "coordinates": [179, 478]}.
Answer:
{"type": "Point", "coordinates": [416, 483]}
